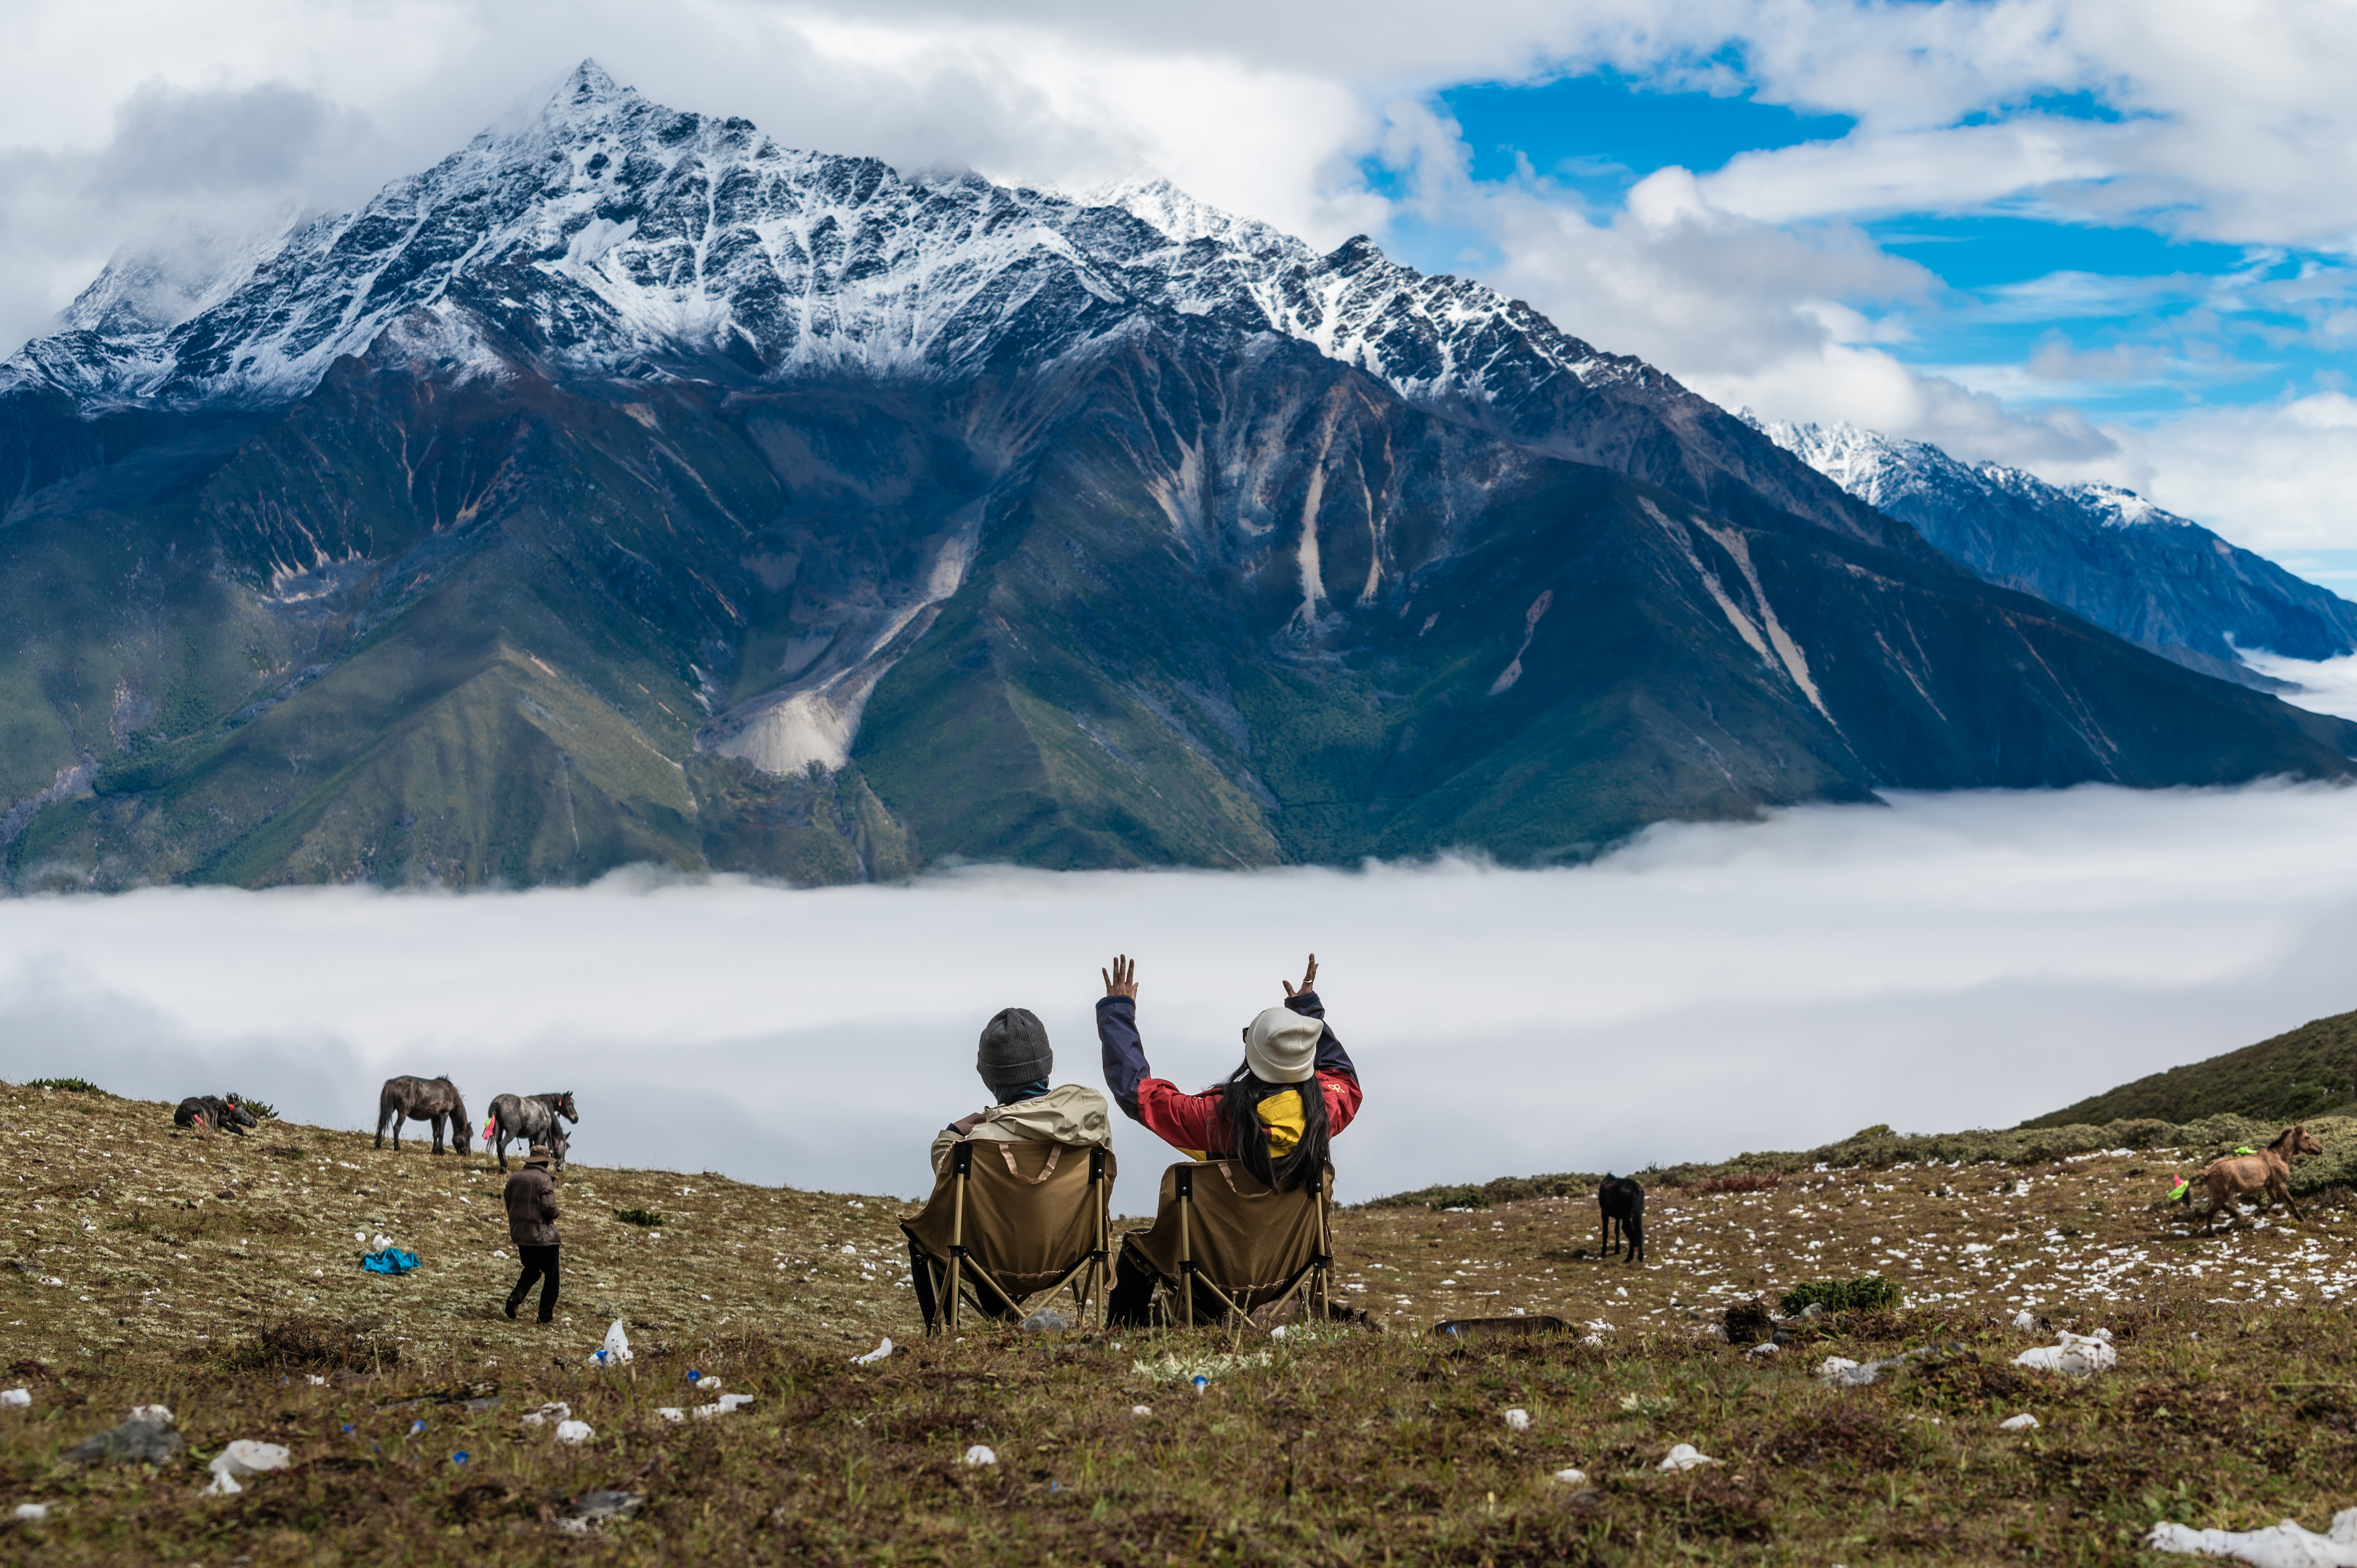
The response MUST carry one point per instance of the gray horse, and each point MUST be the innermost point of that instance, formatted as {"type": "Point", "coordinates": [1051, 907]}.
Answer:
{"type": "Point", "coordinates": [530, 1119]}
{"type": "Point", "coordinates": [433, 1100]}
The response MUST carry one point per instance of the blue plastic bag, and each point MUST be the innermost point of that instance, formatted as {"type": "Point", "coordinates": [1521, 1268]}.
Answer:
{"type": "Point", "coordinates": [391, 1260]}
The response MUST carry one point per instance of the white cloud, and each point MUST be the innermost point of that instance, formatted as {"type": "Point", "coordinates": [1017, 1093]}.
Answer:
{"type": "Point", "coordinates": [1956, 959]}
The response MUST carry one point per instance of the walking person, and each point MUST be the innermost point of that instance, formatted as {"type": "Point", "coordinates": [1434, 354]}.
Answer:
{"type": "Point", "coordinates": [532, 1225]}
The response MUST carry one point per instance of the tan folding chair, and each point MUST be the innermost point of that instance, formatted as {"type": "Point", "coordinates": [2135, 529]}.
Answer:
{"type": "Point", "coordinates": [1248, 1247]}
{"type": "Point", "coordinates": [1010, 1221]}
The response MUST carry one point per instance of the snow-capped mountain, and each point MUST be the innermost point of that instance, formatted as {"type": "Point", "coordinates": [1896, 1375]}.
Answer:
{"type": "Point", "coordinates": [608, 235]}
{"type": "Point", "coordinates": [2096, 549]}
{"type": "Point", "coordinates": [627, 487]}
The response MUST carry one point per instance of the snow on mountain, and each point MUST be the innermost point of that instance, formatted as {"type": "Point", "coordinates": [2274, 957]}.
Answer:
{"type": "Point", "coordinates": [2104, 552]}
{"type": "Point", "coordinates": [616, 236]}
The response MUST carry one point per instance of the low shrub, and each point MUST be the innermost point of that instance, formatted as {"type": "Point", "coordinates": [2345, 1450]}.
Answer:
{"type": "Point", "coordinates": [1457, 1197]}
{"type": "Point", "coordinates": [1745, 1183]}
{"type": "Point", "coordinates": [1869, 1291]}
{"type": "Point", "coordinates": [71, 1085]}
{"type": "Point", "coordinates": [638, 1216]}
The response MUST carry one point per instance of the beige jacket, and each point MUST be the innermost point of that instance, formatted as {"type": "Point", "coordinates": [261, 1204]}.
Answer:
{"type": "Point", "coordinates": [1068, 1114]}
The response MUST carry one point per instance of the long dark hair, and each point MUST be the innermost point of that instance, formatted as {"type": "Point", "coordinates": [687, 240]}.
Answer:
{"type": "Point", "coordinates": [1239, 1100]}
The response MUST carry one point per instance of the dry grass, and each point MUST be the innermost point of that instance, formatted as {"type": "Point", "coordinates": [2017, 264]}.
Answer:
{"type": "Point", "coordinates": [2235, 1402]}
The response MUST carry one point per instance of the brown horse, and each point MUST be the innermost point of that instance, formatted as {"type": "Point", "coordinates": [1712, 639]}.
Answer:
{"type": "Point", "coordinates": [2269, 1170]}
{"type": "Point", "coordinates": [432, 1100]}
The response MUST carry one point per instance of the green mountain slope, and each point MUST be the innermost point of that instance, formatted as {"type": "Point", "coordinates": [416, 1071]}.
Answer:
{"type": "Point", "coordinates": [2307, 1072]}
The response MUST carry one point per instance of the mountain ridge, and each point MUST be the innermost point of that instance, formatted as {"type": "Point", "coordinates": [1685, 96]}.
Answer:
{"type": "Point", "coordinates": [2162, 581]}
{"type": "Point", "coordinates": [664, 494]}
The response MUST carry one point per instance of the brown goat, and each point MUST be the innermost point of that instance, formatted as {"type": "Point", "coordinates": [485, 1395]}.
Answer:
{"type": "Point", "coordinates": [2230, 1179]}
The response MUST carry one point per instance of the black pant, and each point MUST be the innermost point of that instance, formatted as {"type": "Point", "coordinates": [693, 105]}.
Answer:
{"type": "Point", "coordinates": [920, 1274]}
{"type": "Point", "coordinates": [1133, 1292]}
{"type": "Point", "coordinates": [539, 1263]}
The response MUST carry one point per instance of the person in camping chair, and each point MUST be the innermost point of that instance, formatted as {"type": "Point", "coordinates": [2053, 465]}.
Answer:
{"type": "Point", "coordinates": [1015, 1061]}
{"type": "Point", "coordinates": [1265, 1113]}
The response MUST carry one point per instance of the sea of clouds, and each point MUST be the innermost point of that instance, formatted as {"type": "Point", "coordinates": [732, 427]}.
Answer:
{"type": "Point", "coordinates": [1945, 961]}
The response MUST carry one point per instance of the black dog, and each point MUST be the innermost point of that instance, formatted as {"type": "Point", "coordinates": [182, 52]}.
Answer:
{"type": "Point", "coordinates": [1622, 1203]}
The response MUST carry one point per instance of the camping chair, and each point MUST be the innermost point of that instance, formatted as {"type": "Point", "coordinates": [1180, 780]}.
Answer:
{"type": "Point", "coordinates": [1221, 1230]}
{"type": "Point", "coordinates": [1012, 1220]}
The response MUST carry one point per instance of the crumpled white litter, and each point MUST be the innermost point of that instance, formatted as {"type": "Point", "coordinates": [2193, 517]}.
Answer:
{"type": "Point", "coordinates": [979, 1454]}
{"type": "Point", "coordinates": [2077, 1355]}
{"type": "Point", "coordinates": [315, 1379]}
{"type": "Point", "coordinates": [556, 1411]}
{"type": "Point", "coordinates": [2025, 1320]}
{"type": "Point", "coordinates": [2025, 1422]}
{"type": "Point", "coordinates": [1518, 1420]}
{"type": "Point", "coordinates": [241, 1458]}
{"type": "Point", "coordinates": [17, 1396]}
{"type": "Point", "coordinates": [573, 1432]}
{"type": "Point", "coordinates": [159, 1414]}
{"type": "Point", "coordinates": [671, 1414]}
{"type": "Point", "coordinates": [878, 1354]}
{"type": "Point", "coordinates": [2285, 1546]}
{"type": "Point", "coordinates": [1141, 1411]}
{"type": "Point", "coordinates": [1765, 1347]}
{"type": "Point", "coordinates": [32, 1513]}
{"type": "Point", "coordinates": [1572, 1478]}
{"type": "Point", "coordinates": [1686, 1456]}
{"type": "Point", "coordinates": [379, 1243]}
{"type": "Point", "coordinates": [617, 1348]}
{"type": "Point", "coordinates": [722, 1406]}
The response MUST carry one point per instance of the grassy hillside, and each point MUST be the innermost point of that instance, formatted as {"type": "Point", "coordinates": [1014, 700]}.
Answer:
{"type": "Point", "coordinates": [2307, 1073]}
{"type": "Point", "coordinates": [220, 1276]}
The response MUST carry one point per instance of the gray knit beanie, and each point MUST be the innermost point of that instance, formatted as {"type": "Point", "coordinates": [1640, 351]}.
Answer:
{"type": "Point", "coordinates": [1014, 1051]}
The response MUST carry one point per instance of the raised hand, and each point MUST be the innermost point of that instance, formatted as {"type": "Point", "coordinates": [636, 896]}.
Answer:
{"type": "Point", "coordinates": [1122, 980]}
{"type": "Point", "coordinates": [1309, 980]}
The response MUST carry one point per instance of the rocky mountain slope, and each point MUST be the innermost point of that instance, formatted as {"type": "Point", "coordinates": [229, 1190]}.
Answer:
{"type": "Point", "coordinates": [626, 488]}
{"type": "Point", "coordinates": [2106, 553]}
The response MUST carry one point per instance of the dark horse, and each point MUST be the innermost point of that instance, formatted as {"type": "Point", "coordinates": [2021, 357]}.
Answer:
{"type": "Point", "coordinates": [208, 1113]}
{"type": "Point", "coordinates": [433, 1100]}
{"type": "Point", "coordinates": [530, 1119]}
{"type": "Point", "coordinates": [1622, 1202]}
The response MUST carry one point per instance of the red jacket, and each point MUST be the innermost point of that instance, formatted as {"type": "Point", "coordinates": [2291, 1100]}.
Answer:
{"type": "Point", "coordinates": [1193, 1123]}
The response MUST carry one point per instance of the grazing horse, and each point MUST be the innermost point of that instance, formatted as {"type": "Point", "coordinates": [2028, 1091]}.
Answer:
{"type": "Point", "coordinates": [209, 1113]}
{"type": "Point", "coordinates": [530, 1119]}
{"type": "Point", "coordinates": [2269, 1170]}
{"type": "Point", "coordinates": [1621, 1202]}
{"type": "Point", "coordinates": [433, 1100]}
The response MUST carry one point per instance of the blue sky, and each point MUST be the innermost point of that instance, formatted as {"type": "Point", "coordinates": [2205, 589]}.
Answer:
{"type": "Point", "coordinates": [2123, 319]}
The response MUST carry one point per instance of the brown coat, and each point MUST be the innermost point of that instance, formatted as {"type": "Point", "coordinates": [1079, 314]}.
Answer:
{"type": "Point", "coordinates": [532, 1208]}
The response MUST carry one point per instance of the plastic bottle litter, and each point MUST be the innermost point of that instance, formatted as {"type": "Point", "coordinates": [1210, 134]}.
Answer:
{"type": "Point", "coordinates": [617, 1348]}
{"type": "Point", "coordinates": [2025, 1422]}
{"type": "Point", "coordinates": [1201, 1383]}
{"type": "Point", "coordinates": [979, 1455]}
{"type": "Point", "coordinates": [1572, 1478]}
{"type": "Point", "coordinates": [2074, 1353]}
{"type": "Point", "coordinates": [878, 1354]}
{"type": "Point", "coordinates": [1518, 1420]}
{"type": "Point", "coordinates": [573, 1432]}
{"type": "Point", "coordinates": [722, 1406]}
{"type": "Point", "coordinates": [240, 1459]}
{"type": "Point", "coordinates": [2285, 1546]}
{"type": "Point", "coordinates": [1686, 1456]}
{"type": "Point", "coordinates": [17, 1398]}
